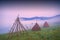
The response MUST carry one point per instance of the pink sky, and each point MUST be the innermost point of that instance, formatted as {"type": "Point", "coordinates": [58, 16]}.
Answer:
{"type": "Point", "coordinates": [10, 13]}
{"type": "Point", "coordinates": [24, 11]}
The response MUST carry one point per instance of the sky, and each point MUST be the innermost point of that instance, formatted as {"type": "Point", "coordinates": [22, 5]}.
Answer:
{"type": "Point", "coordinates": [10, 10]}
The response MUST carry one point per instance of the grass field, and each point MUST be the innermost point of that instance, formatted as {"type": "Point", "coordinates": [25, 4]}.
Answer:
{"type": "Point", "coordinates": [43, 34]}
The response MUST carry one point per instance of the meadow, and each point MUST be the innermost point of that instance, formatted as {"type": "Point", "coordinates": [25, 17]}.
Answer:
{"type": "Point", "coordinates": [51, 33]}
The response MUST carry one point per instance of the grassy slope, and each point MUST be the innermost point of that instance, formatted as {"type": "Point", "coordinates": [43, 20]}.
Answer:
{"type": "Point", "coordinates": [44, 34]}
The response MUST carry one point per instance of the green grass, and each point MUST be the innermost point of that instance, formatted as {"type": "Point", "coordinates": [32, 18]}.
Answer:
{"type": "Point", "coordinates": [43, 34]}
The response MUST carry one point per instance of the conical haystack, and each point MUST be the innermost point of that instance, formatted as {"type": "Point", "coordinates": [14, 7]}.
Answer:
{"type": "Point", "coordinates": [36, 27]}
{"type": "Point", "coordinates": [46, 24]}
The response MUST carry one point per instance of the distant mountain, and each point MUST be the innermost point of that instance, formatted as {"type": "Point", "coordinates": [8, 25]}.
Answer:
{"type": "Point", "coordinates": [39, 18]}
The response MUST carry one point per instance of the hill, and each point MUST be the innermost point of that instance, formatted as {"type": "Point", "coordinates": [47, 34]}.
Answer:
{"type": "Point", "coordinates": [52, 33]}
{"type": "Point", "coordinates": [39, 18]}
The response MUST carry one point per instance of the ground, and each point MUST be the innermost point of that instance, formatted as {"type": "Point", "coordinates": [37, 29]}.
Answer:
{"type": "Point", "coordinates": [51, 33]}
